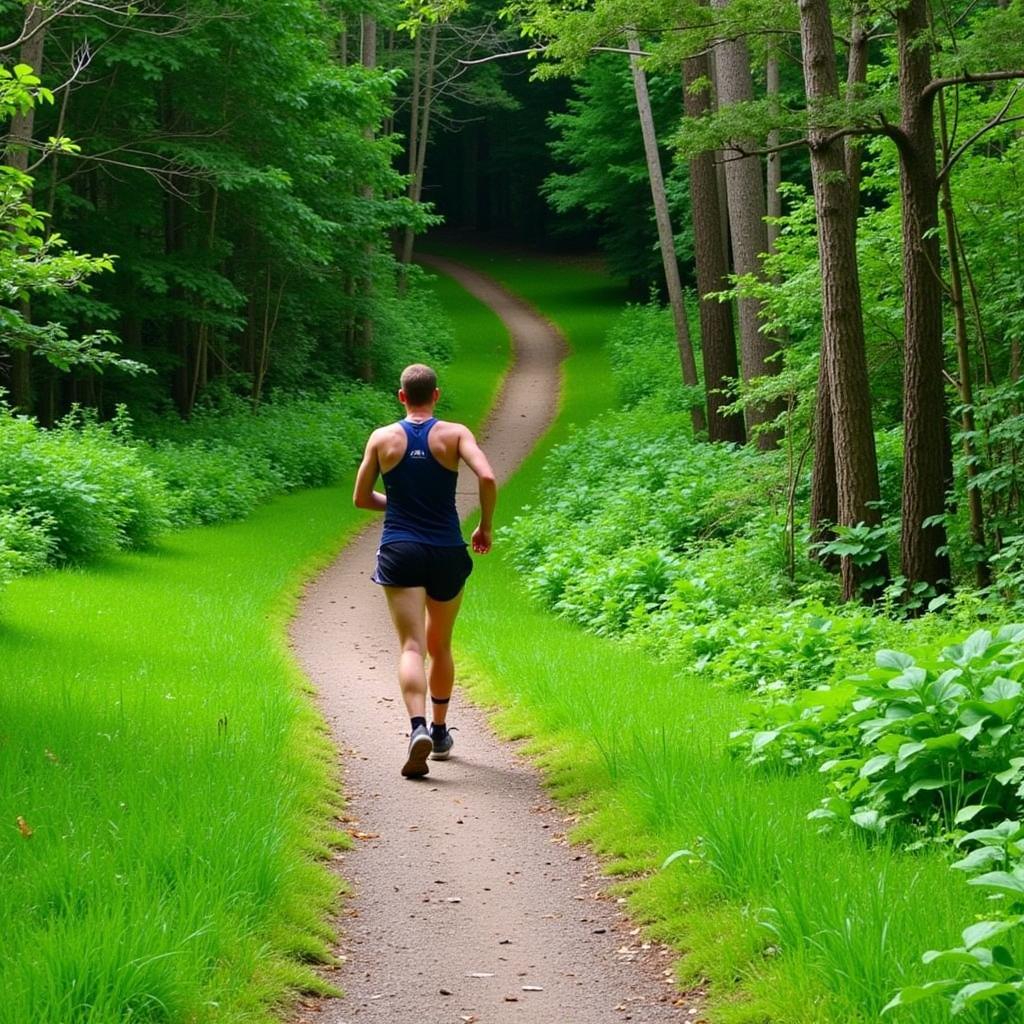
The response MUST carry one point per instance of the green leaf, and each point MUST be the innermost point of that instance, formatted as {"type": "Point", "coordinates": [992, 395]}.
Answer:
{"type": "Point", "coordinates": [893, 659]}
{"type": "Point", "coordinates": [983, 931]}
{"type": "Point", "coordinates": [969, 812]}
{"type": "Point", "coordinates": [673, 857]}
{"type": "Point", "coordinates": [916, 993]}
{"type": "Point", "coordinates": [980, 991]}
{"type": "Point", "coordinates": [1001, 689]}
{"type": "Point", "coordinates": [875, 764]}
{"type": "Point", "coordinates": [923, 785]}
{"type": "Point", "coordinates": [1001, 881]}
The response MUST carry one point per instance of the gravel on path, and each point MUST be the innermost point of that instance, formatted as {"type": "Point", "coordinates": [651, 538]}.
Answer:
{"type": "Point", "coordinates": [467, 903]}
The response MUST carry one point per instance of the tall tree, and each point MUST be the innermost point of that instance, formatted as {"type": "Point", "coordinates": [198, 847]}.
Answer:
{"type": "Point", "coordinates": [717, 336]}
{"type": "Point", "coordinates": [923, 549]}
{"type": "Point", "coordinates": [847, 395]}
{"type": "Point", "coordinates": [666, 236]}
{"type": "Point", "coordinates": [747, 210]}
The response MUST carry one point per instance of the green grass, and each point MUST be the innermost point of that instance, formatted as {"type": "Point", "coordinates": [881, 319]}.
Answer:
{"type": "Point", "coordinates": [176, 780]}
{"type": "Point", "coordinates": [173, 782]}
{"type": "Point", "coordinates": [777, 921]}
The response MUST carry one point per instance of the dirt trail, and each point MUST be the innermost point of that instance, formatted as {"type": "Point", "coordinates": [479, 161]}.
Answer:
{"type": "Point", "coordinates": [467, 904]}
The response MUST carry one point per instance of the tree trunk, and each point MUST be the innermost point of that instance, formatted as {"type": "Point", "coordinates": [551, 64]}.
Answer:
{"type": "Point", "coordinates": [717, 336]}
{"type": "Point", "coordinates": [666, 238]}
{"type": "Point", "coordinates": [856, 78]}
{"type": "Point", "coordinates": [843, 353]}
{"type": "Point", "coordinates": [824, 496]}
{"type": "Point", "coordinates": [924, 405]}
{"type": "Point", "coordinates": [746, 203]}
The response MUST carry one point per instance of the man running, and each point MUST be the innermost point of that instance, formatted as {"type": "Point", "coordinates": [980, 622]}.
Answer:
{"type": "Point", "coordinates": [422, 562]}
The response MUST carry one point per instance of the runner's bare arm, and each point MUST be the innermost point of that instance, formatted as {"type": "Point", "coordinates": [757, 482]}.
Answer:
{"type": "Point", "coordinates": [364, 496]}
{"type": "Point", "coordinates": [473, 456]}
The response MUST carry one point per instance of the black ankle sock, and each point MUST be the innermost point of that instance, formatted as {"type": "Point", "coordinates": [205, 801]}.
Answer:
{"type": "Point", "coordinates": [419, 722]}
{"type": "Point", "coordinates": [438, 728]}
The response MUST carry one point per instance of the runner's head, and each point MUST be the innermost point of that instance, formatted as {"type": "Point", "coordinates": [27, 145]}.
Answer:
{"type": "Point", "coordinates": [418, 386]}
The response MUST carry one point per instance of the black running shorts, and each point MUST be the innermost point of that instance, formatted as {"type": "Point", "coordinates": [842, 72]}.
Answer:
{"type": "Point", "coordinates": [443, 571]}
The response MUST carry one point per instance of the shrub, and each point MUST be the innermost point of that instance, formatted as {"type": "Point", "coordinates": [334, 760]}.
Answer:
{"type": "Point", "coordinates": [26, 543]}
{"type": "Point", "coordinates": [931, 741]}
{"type": "Point", "coordinates": [85, 486]}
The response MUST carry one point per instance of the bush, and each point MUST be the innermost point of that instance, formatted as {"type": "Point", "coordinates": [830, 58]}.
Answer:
{"type": "Point", "coordinates": [79, 482]}
{"type": "Point", "coordinates": [26, 543]}
{"type": "Point", "coordinates": [930, 741]}
{"type": "Point", "coordinates": [644, 356]}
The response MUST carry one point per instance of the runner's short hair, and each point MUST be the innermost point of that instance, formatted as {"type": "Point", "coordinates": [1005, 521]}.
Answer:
{"type": "Point", "coordinates": [418, 382]}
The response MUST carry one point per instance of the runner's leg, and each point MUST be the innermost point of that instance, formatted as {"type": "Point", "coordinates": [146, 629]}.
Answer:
{"type": "Point", "coordinates": [407, 605]}
{"type": "Point", "coordinates": [441, 617]}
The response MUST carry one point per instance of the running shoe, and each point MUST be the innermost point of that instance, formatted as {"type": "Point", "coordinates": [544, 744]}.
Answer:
{"type": "Point", "coordinates": [443, 741]}
{"type": "Point", "coordinates": [420, 747]}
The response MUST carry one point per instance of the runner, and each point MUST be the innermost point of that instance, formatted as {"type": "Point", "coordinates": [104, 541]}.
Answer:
{"type": "Point", "coordinates": [422, 561]}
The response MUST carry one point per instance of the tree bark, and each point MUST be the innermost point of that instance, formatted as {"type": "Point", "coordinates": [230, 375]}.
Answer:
{"type": "Point", "coordinates": [746, 203]}
{"type": "Point", "coordinates": [824, 496]}
{"type": "Point", "coordinates": [666, 237]}
{"type": "Point", "coordinates": [843, 352]}
{"type": "Point", "coordinates": [717, 334]}
{"type": "Point", "coordinates": [924, 406]}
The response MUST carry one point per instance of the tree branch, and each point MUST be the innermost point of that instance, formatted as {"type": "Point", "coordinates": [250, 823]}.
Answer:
{"type": "Point", "coordinates": [994, 122]}
{"type": "Point", "coordinates": [968, 79]}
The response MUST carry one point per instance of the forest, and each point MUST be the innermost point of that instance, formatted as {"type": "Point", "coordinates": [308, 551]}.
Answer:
{"type": "Point", "coordinates": [757, 596]}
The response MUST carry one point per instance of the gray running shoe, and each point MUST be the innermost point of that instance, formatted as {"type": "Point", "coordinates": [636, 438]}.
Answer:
{"type": "Point", "coordinates": [443, 743]}
{"type": "Point", "coordinates": [420, 746]}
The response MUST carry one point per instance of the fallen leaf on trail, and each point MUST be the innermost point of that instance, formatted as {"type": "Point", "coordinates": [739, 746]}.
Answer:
{"type": "Point", "coordinates": [511, 999]}
{"type": "Point", "coordinates": [363, 835]}
{"type": "Point", "coordinates": [532, 988]}
{"type": "Point", "coordinates": [23, 828]}
{"type": "Point", "coordinates": [452, 899]}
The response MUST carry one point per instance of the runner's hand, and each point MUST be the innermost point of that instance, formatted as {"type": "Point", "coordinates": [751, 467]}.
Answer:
{"type": "Point", "coordinates": [481, 540]}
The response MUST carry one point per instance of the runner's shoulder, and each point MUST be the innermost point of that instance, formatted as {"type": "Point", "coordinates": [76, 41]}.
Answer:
{"type": "Point", "coordinates": [451, 429]}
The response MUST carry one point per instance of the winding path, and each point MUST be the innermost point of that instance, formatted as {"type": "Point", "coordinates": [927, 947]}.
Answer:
{"type": "Point", "coordinates": [467, 903]}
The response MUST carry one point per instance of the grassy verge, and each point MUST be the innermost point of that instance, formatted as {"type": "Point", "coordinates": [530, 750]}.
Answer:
{"type": "Point", "coordinates": [165, 784]}
{"type": "Point", "coordinates": [776, 921]}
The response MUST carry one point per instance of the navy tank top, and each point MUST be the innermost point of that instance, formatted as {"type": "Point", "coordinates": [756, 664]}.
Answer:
{"type": "Point", "coordinates": [421, 494]}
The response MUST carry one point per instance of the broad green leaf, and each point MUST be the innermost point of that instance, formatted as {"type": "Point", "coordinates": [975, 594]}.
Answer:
{"type": "Point", "coordinates": [875, 764]}
{"type": "Point", "coordinates": [893, 659]}
{"type": "Point", "coordinates": [1001, 881]}
{"type": "Point", "coordinates": [916, 993]}
{"type": "Point", "coordinates": [762, 739]}
{"type": "Point", "coordinates": [980, 991]}
{"type": "Point", "coordinates": [870, 820]}
{"type": "Point", "coordinates": [924, 784]}
{"type": "Point", "coordinates": [983, 931]}
{"type": "Point", "coordinates": [1001, 689]}
{"type": "Point", "coordinates": [968, 813]}
{"type": "Point", "coordinates": [970, 732]}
